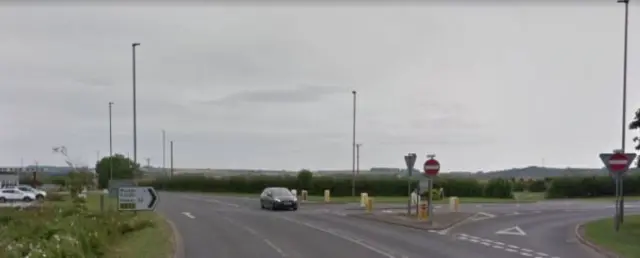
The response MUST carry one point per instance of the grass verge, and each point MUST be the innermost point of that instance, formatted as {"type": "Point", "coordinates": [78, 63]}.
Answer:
{"type": "Point", "coordinates": [625, 242]}
{"type": "Point", "coordinates": [66, 227]}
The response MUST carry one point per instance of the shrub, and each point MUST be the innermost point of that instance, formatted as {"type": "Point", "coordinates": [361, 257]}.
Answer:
{"type": "Point", "coordinates": [69, 231]}
{"type": "Point", "coordinates": [498, 188]}
{"type": "Point", "coordinates": [537, 186]}
{"type": "Point", "coordinates": [55, 197]}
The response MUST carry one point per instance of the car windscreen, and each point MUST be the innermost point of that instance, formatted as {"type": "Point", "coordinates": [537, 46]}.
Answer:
{"type": "Point", "coordinates": [281, 192]}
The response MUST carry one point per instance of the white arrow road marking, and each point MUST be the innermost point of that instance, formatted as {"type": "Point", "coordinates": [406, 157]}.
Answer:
{"type": "Point", "coordinates": [189, 215]}
{"type": "Point", "coordinates": [515, 231]}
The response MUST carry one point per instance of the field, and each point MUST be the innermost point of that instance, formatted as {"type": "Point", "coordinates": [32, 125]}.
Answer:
{"type": "Point", "coordinates": [624, 243]}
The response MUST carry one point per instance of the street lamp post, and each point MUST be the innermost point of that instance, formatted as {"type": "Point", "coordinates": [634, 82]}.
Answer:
{"type": "Point", "coordinates": [624, 98]}
{"type": "Point", "coordinates": [358, 158]}
{"type": "Point", "coordinates": [135, 131]}
{"type": "Point", "coordinates": [353, 150]}
{"type": "Point", "coordinates": [110, 143]}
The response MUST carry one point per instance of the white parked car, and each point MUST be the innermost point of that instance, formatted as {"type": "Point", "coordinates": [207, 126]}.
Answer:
{"type": "Point", "coordinates": [14, 194]}
{"type": "Point", "coordinates": [40, 195]}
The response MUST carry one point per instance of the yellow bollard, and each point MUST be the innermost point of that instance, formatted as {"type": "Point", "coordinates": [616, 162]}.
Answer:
{"type": "Point", "coordinates": [327, 196]}
{"type": "Point", "coordinates": [369, 205]}
{"type": "Point", "coordinates": [363, 199]}
{"type": "Point", "coordinates": [303, 195]}
{"type": "Point", "coordinates": [423, 215]}
{"type": "Point", "coordinates": [454, 204]}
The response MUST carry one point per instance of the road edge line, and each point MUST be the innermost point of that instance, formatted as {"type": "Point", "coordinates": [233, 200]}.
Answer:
{"type": "Point", "coordinates": [178, 247]}
{"type": "Point", "coordinates": [606, 253]}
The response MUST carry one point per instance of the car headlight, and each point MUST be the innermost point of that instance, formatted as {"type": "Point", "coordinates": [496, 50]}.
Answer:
{"type": "Point", "coordinates": [277, 200]}
{"type": "Point", "coordinates": [295, 199]}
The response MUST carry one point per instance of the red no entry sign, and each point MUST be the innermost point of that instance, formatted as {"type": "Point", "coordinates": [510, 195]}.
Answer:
{"type": "Point", "coordinates": [431, 167]}
{"type": "Point", "coordinates": [618, 162]}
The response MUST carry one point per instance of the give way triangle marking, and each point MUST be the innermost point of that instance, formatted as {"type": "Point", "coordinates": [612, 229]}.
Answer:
{"type": "Point", "coordinates": [515, 231]}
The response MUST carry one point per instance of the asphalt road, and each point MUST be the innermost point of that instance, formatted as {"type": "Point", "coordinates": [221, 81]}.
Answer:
{"type": "Point", "coordinates": [232, 227]}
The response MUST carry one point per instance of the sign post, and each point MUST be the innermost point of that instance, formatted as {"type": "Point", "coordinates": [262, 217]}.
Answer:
{"type": "Point", "coordinates": [137, 198]}
{"type": "Point", "coordinates": [618, 164]}
{"type": "Point", "coordinates": [410, 160]}
{"type": "Point", "coordinates": [431, 170]}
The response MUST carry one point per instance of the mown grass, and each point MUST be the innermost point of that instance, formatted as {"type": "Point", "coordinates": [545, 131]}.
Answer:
{"type": "Point", "coordinates": [624, 242]}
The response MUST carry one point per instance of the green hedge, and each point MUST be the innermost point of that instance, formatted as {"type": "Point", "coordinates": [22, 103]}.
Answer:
{"type": "Point", "coordinates": [384, 186]}
{"type": "Point", "coordinates": [594, 186]}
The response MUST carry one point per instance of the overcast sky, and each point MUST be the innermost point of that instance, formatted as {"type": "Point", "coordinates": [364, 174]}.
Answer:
{"type": "Point", "coordinates": [484, 87]}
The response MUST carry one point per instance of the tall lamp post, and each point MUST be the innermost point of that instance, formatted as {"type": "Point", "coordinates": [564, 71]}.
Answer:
{"type": "Point", "coordinates": [358, 145]}
{"type": "Point", "coordinates": [164, 155]}
{"type": "Point", "coordinates": [110, 143]}
{"type": "Point", "coordinates": [624, 97]}
{"type": "Point", "coordinates": [135, 131]}
{"type": "Point", "coordinates": [353, 150]}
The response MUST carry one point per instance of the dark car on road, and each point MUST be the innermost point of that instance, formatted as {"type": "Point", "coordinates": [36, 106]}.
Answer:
{"type": "Point", "coordinates": [275, 198]}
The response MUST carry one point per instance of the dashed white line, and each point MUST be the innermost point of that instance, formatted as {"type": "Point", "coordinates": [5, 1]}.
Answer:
{"type": "Point", "coordinates": [502, 246]}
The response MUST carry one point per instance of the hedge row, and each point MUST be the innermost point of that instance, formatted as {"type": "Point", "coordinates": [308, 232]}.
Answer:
{"type": "Point", "coordinates": [389, 186]}
{"type": "Point", "coordinates": [595, 186]}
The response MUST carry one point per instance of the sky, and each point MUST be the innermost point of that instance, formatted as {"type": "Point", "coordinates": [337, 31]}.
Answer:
{"type": "Point", "coordinates": [483, 87]}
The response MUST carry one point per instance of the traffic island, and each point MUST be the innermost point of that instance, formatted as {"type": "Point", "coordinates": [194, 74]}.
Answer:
{"type": "Point", "coordinates": [440, 221]}
{"type": "Point", "coordinates": [600, 236]}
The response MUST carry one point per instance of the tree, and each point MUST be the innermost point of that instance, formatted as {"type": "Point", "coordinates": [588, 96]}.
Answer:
{"type": "Point", "coordinates": [304, 179]}
{"type": "Point", "coordinates": [635, 125]}
{"type": "Point", "coordinates": [123, 168]}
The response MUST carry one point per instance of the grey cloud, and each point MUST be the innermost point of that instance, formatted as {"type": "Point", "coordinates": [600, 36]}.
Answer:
{"type": "Point", "coordinates": [300, 94]}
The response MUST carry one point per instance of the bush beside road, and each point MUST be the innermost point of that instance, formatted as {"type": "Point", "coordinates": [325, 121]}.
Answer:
{"type": "Point", "coordinates": [72, 227]}
{"type": "Point", "coordinates": [624, 243]}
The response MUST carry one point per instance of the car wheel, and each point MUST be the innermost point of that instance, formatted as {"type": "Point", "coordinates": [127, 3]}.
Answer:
{"type": "Point", "coordinates": [295, 208]}
{"type": "Point", "coordinates": [261, 206]}
{"type": "Point", "coordinates": [27, 199]}
{"type": "Point", "coordinates": [40, 197]}
{"type": "Point", "coordinates": [273, 206]}
{"type": "Point", "coordinates": [2, 199]}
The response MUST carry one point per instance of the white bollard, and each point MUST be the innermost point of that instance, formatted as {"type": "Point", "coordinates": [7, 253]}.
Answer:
{"type": "Point", "coordinates": [363, 199]}
{"type": "Point", "coordinates": [294, 192]}
{"type": "Point", "coordinates": [454, 204]}
{"type": "Point", "coordinates": [414, 198]}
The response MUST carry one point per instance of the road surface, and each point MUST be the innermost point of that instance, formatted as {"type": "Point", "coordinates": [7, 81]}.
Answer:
{"type": "Point", "coordinates": [230, 227]}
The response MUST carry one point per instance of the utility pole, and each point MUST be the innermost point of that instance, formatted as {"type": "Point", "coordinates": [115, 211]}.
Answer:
{"type": "Point", "coordinates": [353, 148]}
{"type": "Point", "coordinates": [164, 154]}
{"type": "Point", "coordinates": [358, 158]}
{"type": "Point", "coordinates": [148, 162]}
{"type": "Point", "coordinates": [135, 129]}
{"type": "Point", "coordinates": [110, 144]}
{"type": "Point", "coordinates": [171, 156]}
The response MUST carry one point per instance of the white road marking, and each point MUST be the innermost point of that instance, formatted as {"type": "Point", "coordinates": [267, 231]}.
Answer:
{"type": "Point", "coordinates": [256, 234]}
{"type": "Point", "coordinates": [516, 231]}
{"type": "Point", "coordinates": [274, 247]}
{"type": "Point", "coordinates": [189, 215]}
{"type": "Point", "coordinates": [345, 237]}
{"type": "Point", "coordinates": [502, 246]}
{"type": "Point", "coordinates": [221, 202]}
